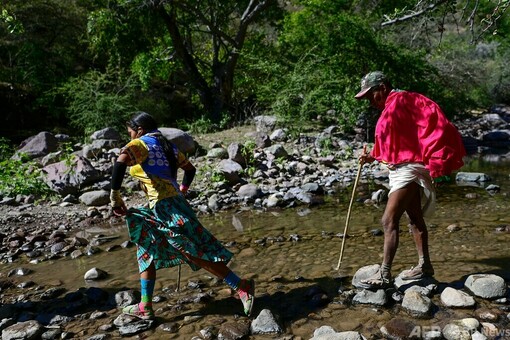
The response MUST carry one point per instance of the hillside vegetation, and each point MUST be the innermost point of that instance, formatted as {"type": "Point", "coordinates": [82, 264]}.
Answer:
{"type": "Point", "coordinates": [78, 66]}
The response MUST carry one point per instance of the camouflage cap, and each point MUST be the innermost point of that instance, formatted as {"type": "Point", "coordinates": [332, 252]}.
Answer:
{"type": "Point", "coordinates": [369, 81]}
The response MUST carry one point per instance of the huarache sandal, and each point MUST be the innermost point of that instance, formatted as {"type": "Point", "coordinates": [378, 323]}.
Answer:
{"type": "Point", "coordinates": [378, 281]}
{"type": "Point", "coordinates": [134, 310]}
{"type": "Point", "coordinates": [418, 272]}
{"type": "Point", "coordinates": [247, 295]}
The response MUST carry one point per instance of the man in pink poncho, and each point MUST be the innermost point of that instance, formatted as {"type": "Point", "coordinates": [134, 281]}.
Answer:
{"type": "Point", "coordinates": [421, 147]}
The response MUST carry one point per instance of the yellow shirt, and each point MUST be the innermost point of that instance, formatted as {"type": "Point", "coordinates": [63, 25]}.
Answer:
{"type": "Point", "coordinates": [141, 156]}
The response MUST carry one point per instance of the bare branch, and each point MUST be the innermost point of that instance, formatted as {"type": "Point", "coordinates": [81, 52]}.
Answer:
{"type": "Point", "coordinates": [201, 16]}
{"type": "Point", "coordinates": [414, 14]}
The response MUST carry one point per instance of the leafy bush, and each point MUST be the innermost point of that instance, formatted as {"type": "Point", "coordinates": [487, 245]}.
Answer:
{"type": "Point", "coordinates": [322, 53]}
{"type": "Point", "coordinates": [98, 100]}
{"type": "Point", "coordinates": [19, 177]}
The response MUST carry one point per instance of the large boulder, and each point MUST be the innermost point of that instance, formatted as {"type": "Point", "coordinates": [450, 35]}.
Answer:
{"type": "Point", "coordinates": [37, 146]}
{"type": "Point", "coordinates": [68, 177]}
{"type": "Point", "coordinates": [106, 133]}
{"type": "Point", "coordinates": [181, 139]}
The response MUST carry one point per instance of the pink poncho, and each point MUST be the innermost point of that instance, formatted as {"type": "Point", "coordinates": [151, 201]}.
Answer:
{"type": "Point", "coordinates": [413, 129]}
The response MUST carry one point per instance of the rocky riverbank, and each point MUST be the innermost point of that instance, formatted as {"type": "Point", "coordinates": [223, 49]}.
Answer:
{"type": "Point", "coordinates": [259, 166]}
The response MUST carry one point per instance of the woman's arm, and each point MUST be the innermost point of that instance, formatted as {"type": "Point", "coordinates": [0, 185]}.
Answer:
{"type": "Point", "coordinates": [119, 170]}
{"type": "Point", "coordinates": [189, 174]}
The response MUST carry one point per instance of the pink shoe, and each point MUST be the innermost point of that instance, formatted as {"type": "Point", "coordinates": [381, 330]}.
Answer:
{"type": "Point", "coordinates": [247, 295]}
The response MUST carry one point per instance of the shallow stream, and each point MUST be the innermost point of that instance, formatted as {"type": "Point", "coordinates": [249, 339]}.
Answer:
{"type": "Point", "coordinates": [302, 248]}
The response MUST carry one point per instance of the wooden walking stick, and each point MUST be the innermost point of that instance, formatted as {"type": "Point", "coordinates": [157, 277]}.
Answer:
{"type": "Point", "coordinates": [358, 174]}
{"type": "Point", "coordinates": [178, 288]}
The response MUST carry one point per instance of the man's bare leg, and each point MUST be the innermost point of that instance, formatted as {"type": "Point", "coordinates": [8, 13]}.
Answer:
{"type": "Point", "coordinates": [398, 203]}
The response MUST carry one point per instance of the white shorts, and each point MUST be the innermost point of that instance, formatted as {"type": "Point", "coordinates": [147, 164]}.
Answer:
{"type": "Point", "coordinates": [404, 174]}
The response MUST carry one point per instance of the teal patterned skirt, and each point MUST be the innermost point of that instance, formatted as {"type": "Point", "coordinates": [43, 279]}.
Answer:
{"type": "Point", "coordinates": [162, 234]}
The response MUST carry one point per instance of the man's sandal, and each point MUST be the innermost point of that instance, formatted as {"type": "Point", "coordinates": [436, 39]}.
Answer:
{"type": "Point", "coordinates": [375, 282]}
{"type": "Point", "coordinates": [418, 272]}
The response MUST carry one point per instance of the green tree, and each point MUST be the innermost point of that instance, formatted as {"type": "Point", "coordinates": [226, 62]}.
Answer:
{"type": "Point", "coordinates": [322, 52]}
{"type": "Point", "coordinates": [203, 38]}
{"type": "Point", "coordinates": [40, 46]}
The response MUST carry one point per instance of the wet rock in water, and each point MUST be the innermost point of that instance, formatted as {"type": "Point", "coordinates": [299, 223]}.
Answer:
{"type": "Point", "coordinates": [76, 253]}
{"type": "Point", "coordinates": [159, 298]}
{"type": "Point", "coordinates": [471, 195]}
{"type": "Point", "coordinates": [58, 247]}
{"type": "Point", "coordinates": [19, 272]}
{"type": "Point", "coordinates": [126, 244]}
{"type": "Point", "coordinates": [377, 232]}
{"type": "Point", "coordinates": [493, 189]}
{"type": "Point", "coordinates": [95, 274]}
{"type": "Point", "coordinates": [452, 297]}
{"type": "Point", "coordinates": [488, 314]}
{"type": "Point", "coordinates": [53, 319]}
{"type": "Point", "coordinates": [274, 200]}
{"type": "Point", "coordinates": [126, 298]}
{"type": "Point", "coordinates": [487, 286]}
{"type": "Point", "coordinates": [33, 254]}
{"type": "Point", "coordinates": [504, 228]}
{"type": "Point", "coordinates": [25, 284]}
{"type": "Point", "coordinates": [23, 330]}
{"type": "Point", "coordinates": [294, 237]}
{"type": "Point", "coordinates": [453, 227]}
{"type": "Point", "coordinates": [169, 327]}
{"type": "Point", "coordinates": [52, 293]}
{"type": "Point", "coordinates": [379, 196]}
{"type": "Point", "coordinates": [472, 177]}
{"type": "Point", "coordinates": [207, 333]}
{"type": "Point", "coordinates": [461, 329]}
{"type": "Point", "coordinates": [491, 331]}
{"type": "Point", "coordinates": [135, 327]}
{"type": "Point", "coordinates": [376, 298]}
{"type": "Point", "coordinates": [425, 286]}
{"type": "Point", "coordinates": [195, 284]}
{"type": "Point", "coordinates": [91, 250]}
{"type": "Point", "coordinates": [98, 337]}
{"type": "Point", "coordinates": [265, 323]}
{"type": "Point", "coordinates": [6, 322]}
{"type": "Point", "coordinates": [416, 304]}
{"type": "Point", "coordinates": [214, 203]}
{"type": "Point", "coordinates": [400, 329]}
{"type": "Point", "coordinates": [188, 319]}
{"type": "Point", "coordinates": [107, 327]}
{"type": "Point", "coordinates": [327, 332]}
{"type": "Point", "coordinates": [53, 333]}
{"type": "Point", "coordinates": [98, 315]}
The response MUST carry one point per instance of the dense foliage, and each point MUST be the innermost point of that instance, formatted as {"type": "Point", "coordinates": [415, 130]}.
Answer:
{"type": "Point", "coordinates": [82, 65]}
{"type": "Point", "coordinates": [19, 176]}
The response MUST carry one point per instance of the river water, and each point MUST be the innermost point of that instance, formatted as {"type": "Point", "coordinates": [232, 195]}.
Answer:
{"type": "Point", "coordinates": [288, 250]}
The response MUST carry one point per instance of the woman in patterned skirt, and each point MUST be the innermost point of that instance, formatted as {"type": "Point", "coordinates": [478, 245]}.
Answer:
{"type": "Point", "coordinates": [167, 233]}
